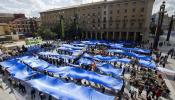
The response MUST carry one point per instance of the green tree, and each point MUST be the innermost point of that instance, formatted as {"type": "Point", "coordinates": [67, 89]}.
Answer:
{"type": "Point", "coordinates": [46, 33]}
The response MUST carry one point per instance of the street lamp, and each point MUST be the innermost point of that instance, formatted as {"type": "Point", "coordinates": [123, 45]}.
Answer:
{"type": "Point", "coordinates": [170, 28]}
{"type": "Point", "coordinates": [159, 26]}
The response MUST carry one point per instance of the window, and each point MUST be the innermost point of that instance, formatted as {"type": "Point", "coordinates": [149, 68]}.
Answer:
{"type": "Point", "coordinates": [110, 18]}
{"type": "Point", "coordinates": [117, 25]}
{"type": "Point", "coordinates": [133, 10]}
{"type": "Point", "coordinates": [126, 4]}
{"type": "Point", "coordinates": [141, 15]}
{"type": "Point", "coordinates": [93, 14]}
{"type": "Point", "coordinates": [110, 11]}
{"type": "Point", "coordinates": [124, 25]}
{"type": "Point", "coordinates": [104, 19]}
{"type": "Point", "coordinates": [142, 9]}
{"type": "Point", "coordinates": [98, 20]}
{"type": "Point", "coordinates": [104, 12]}
{"type": "Point", "coordinates": [134, 3]}
{"type": "Point", "coordinates": [93, 21]}
{"type": "Point", "coordinates": [104, 26]}
{"type": "Point", "coordinates": [140, 25]}
{"type": "Point", "coordinates": [125, 10]}
{"type": "Point", "coordinates": [118, 11]}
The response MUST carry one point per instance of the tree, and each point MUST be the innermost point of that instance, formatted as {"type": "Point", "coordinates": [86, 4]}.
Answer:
{"type": "Point", "coordinates": [46, 33]}
{"type": "Point", "coordinates": [153, 30]}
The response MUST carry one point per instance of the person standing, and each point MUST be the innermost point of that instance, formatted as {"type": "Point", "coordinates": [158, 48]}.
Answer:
{"type": "Point", "coordinates": [158, 93]}
{"type": "Point", "coordinates": [140, 90]}
{"type": "Point", "coordinates": [163, 64]}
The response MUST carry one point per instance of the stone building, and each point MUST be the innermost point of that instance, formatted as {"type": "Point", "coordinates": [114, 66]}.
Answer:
{"type": "Point", "coordinates": [24, 25]}
{"type": "Point", "coordinates": [108, 20]}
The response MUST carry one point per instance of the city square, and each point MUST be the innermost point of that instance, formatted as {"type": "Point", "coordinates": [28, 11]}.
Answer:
{"type": "Point", "coordinates": [98, 50]}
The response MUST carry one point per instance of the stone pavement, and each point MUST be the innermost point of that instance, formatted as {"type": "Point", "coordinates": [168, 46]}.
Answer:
{"type": "Point", "coordinates": [6, 93]}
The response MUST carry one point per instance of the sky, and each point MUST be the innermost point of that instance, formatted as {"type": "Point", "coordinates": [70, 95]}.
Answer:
{"type": "Point", "coordinates": [32, 7]}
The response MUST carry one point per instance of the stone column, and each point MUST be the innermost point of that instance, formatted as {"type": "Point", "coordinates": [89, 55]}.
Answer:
{"type": "Point", "coordinates": [101, 35]}
{"type": "Point", "coordinates": [120, 35]}
{"type": "Point", "coordinates": [96, 35]}
{"type": "Point", "coordinates": [107, 35]}
{"type": "Point", "coordinates": [135, 34]}
{"type": "Point", "coordinates": [86, 35]}
{"type": "Point", "coordinates": [91, 34]}
{"type": "Point", "coordinates": [127, 35]}
{"type": "Point", "coordinates": [113, 35]}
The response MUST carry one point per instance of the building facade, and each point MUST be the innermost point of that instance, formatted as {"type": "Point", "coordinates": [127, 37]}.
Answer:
{"type": "Point", "coordinates": [165, 23]}
{"type": "Point", "coordinates": [107, 20]}
{"type": "Point", "coordinates": [4, 29]}
{"type": "Point", "coordinates": [24, 25]}
{"type": "Point", "coordinates": [7, 17]}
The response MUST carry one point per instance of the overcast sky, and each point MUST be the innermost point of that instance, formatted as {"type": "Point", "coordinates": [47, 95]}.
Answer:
{"type": "Point", "coordinates": [32, 7]}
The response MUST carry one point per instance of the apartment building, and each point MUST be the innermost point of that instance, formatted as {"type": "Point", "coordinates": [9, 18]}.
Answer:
{"type": "Point", "coordinates": [24, 25]}
{"type": "Point", "coordinates": [107, 20]}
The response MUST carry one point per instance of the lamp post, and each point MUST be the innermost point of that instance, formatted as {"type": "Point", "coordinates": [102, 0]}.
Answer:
{"type": "Point", "coordinates": [159, 26]}
{"type": "Point", "coordinates": [170, 28]}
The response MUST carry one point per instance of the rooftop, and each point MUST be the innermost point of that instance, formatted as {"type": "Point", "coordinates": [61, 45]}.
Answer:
{"type": "Point", "coordinates": [6, 15]}
{"type": "Point", "coordinates": [3, 24]}
{"type": "Point", "coordinates": [87, 4]}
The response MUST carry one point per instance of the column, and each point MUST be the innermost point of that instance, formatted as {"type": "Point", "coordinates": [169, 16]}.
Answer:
{"type": "Point", "coordinates": [120, 35]}
{"type": "Point", "coordinates": [91, 34]}
{"type": "Point", "coordinates": [113, 33]}
{"type": "Point", "coordinates": [86, 35]}
{"type": "Point", "coordinates": [107, 35]}
{"type": "Point", "coordinates": [135, 35]}
{"type": "Point", "coordinates": [96, 35]}
{"type": "Point", "coordinates": [127, 35]}
{"type": "Point", "coordinates": [101, 35]}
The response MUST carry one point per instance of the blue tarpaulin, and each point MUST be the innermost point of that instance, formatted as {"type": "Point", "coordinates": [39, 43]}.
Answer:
{"type": "Point", "coordinates": [101, 58]}
{"type": "Point", "coordinates": [17, 69]}
{"type": "Point", "coordinates": [72, 47]}
{"type": "Point", "coordinates": [143, 63]}
{"type": "Point", "coordinates": [66, 91]}
{"type": "Point", "coordinates": [109, 69]}
{"type": "Point", "coordinates": [52, 86]}
{"type": "Point", "coordinates": [56, 55]}
{"type": "Point", "coordinates": [147, 64]}
{"type": "Point", "coordinates": [131, 54]}
{"type": "Point", "coordinates": [67, 49]}
{"type": "Point", "coordinates": [106, 68]}
{"type": "Point", "coordinates": [85, 61]}
{"type": "Point", "coordinates": [78, 73]}
{"type": "Point", "coordinates": [35, 62]}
